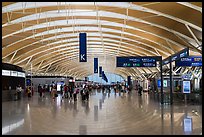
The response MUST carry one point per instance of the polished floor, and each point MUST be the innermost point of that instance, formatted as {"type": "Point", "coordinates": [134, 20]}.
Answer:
{"type": "Point", "coordinates": [123, 113]}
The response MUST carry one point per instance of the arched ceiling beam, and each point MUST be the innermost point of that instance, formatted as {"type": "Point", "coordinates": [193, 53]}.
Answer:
{"type": "Point", "coordinates": [187, 4]}
{"type": "Point", "coordinates": [64, 36]}
{"type": "Point", "coordinates": [30, 5]}
{"type": "Point", "coordinates": [85, 21]}
{"type": "Point", "coordinates": [91, 44]}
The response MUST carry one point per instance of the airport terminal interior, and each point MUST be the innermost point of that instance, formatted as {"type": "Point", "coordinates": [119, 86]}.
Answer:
{"type": "Point", "coordinates": [101, 68]}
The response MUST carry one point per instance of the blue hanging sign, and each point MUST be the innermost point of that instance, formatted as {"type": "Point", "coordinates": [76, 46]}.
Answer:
{"type": "Point", "coordinates": [176, 56]}
{"type": "Point", "coordinates": [104, 76]}
{"type": "Point", "coordinates": [95, 65]}
{"type": "Point", "coordinates": [180, 54]}
{"type": "Point", "coordinates": [82, 47]}
{"type": "Point", "coordinates": [195, 61]}
{"type": "Point", "coordinates": [100, 71]}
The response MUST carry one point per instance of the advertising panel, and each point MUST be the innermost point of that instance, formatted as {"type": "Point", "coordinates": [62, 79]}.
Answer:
{"type": "Point", "coordinates": [165, 83]}
{"type": "Point", "coordinates": [186, 87]}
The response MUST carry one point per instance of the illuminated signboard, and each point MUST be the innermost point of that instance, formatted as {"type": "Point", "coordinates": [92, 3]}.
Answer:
{"type": "Point", "coordinates": [6, 73]}
{"type": "Point", "coordinates": [165, 83]}
{"type": "Point", "coordinates": [21, 74]}
{"type": "Point", "coordinates": [180, 54]}
{"type": "Point", "coordinates": [147, 61]}
{"type": "Point", "coordinates": [14, 73]}
{"type": "Point", "coordinates": [186, 87]}
{"type": "Point", "coordinates": [159, 83]}
{"type": "Point", "coordinates": [195, 61]}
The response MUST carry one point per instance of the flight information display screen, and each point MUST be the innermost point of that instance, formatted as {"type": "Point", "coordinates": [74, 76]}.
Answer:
{"type": "Point", "coordinates": [147, 61]}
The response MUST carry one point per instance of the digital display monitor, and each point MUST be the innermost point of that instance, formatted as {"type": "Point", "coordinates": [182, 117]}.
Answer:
{"type": "Point", "coordinates": [165, 83]}
{"type": "Point", "coordinates": [186, 87]}
{"type": "Point", "coordinates": [28, 82]}
{"type": "Point", "coordinates": [159, 82]}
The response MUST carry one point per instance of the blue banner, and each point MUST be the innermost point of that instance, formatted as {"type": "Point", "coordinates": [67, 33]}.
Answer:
{"type": "Point", "coordinates": [95, 65]}
{"type": "Point", "coordinates": [100, 71]}
{"type": "Point", "coordinates": [104, 76]}
{"type": "Point", "coordinates": [195, 61]}
{"type": "Point", "coordinates": [147, 61]}
{"type": "Point", "coordinates": [82, 47]}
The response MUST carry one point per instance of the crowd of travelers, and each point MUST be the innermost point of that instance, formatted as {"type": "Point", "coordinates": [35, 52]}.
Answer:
{"type": "Point", "coordinates": [71, 91]}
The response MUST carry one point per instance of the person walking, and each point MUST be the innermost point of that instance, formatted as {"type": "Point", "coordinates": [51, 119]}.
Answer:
{"type": "Point", "coordinates": [140, 90]}
{"type": "Point", "coordinates": [40, 90]}
{"type": "Point", "coordinates": [54, 93]}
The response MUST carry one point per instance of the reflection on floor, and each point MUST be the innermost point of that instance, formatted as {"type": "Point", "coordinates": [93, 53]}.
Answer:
{"type": "Point", "coordinates": [119, 113]}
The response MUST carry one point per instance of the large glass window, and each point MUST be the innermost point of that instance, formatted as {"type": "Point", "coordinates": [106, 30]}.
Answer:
{"type": "Point", "coordinates": [112, 78]}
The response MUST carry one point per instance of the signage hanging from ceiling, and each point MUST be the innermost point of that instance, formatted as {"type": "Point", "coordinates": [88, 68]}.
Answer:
{"type": "Point", "coordinates": [82, 47]}
{"type": "Point", "coordinates": [147, 61]}
{"type": "Point", "coordinates": [95, 65]}
{"type": "Point", "coordinates": [100, 71]}
{"type": "Point", "coordinates": [194, 61]}
{"type": "Point", "coordinates": [176, 56]}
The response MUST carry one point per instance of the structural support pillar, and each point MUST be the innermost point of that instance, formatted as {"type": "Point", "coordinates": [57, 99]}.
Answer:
{"type": "Point", "coordinates": [171, 86]}
{"type": "Point", "coordinates": [162, 93]}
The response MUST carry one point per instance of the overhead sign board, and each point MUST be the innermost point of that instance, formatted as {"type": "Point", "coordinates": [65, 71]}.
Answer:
{"type": "Point", "coordinates": [100, 71]}
{"type": "Point", "coordinates": [95, 65]}
{"type": "Point", "coordinates": [195, 61]}
{"type": "Point", "coordinates": [82, 47]}
{"type": "Point", "coordinates": [14, 73]}
{"type": "Point", "coordinates": [176, 56]}
{"type": "Point", "coordinates": [138, 61]}
{"type": "Point", "coordinates": [6, 72]}
{"type": "Point", "coordinates": [180, 54]}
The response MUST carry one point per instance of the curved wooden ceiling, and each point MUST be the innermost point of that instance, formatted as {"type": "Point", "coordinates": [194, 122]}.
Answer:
{"type": "Point", "coordinates": [46, 34]}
